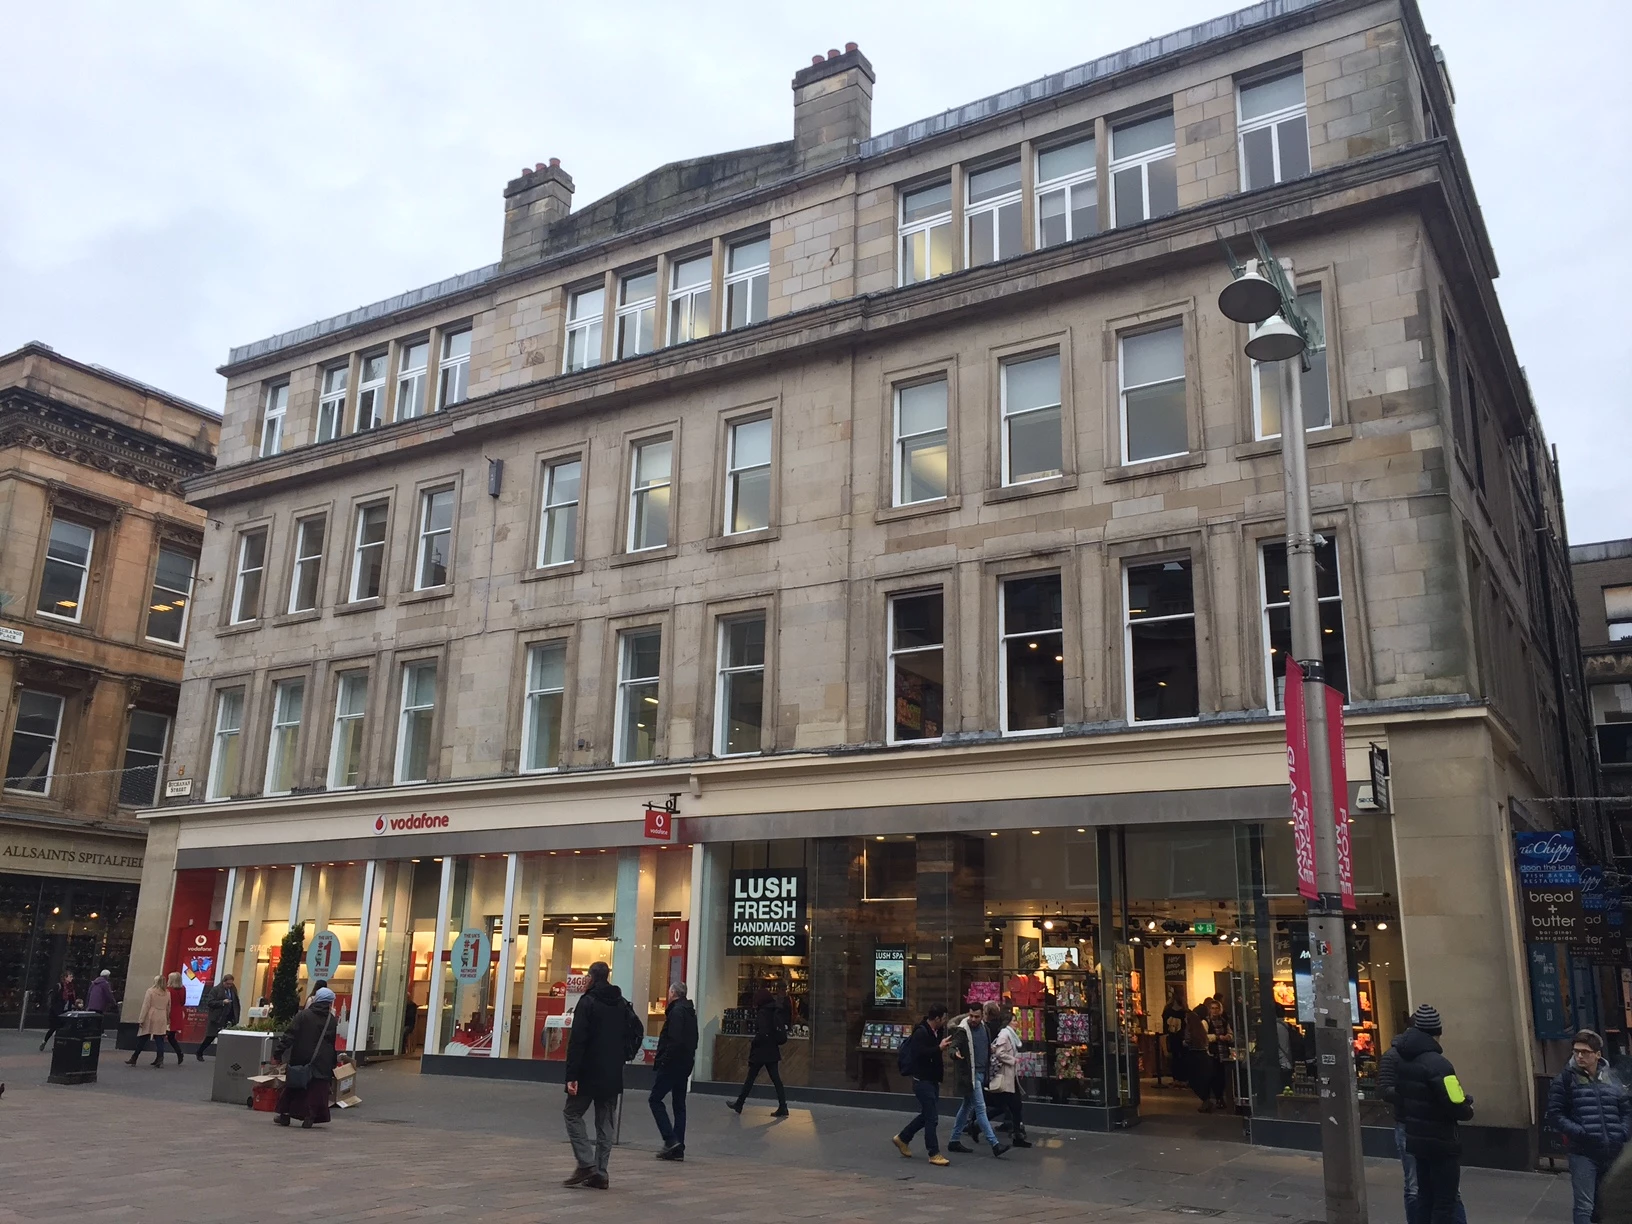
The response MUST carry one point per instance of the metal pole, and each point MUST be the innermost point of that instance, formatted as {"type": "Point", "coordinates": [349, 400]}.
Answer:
{"type": "Point", "coordinates": [1328, 951]}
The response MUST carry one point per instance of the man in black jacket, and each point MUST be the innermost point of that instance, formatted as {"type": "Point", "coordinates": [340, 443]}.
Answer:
{"type": "Point", "coordinates": [676, 1054]}
{"type": "Point", "coordinates": [603, 1028]}
{"type": "Point", "coordinates": [1388, 1076]}
{"type": "Point", "coordinates": [927, 1069]}
{"type": "Point", "coordinates": [1591, 1110]}
{"type": "Point", "coordinates": [221, 1001]}
{"type": "Point", "coordinates": [1431, 1103]}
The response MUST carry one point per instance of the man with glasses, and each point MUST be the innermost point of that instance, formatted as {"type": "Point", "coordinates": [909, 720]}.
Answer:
{"type": "Point", "coordinates": [1594, 1114]}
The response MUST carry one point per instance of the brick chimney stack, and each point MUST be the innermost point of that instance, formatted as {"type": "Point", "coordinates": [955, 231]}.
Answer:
{"type": "Point", "coordinates": [533, 202]}
{"type": "Point", "coordinates": [832, 106]}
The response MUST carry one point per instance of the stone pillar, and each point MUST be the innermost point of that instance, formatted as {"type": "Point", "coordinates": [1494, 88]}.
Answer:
{"type": "Point", "coordinates": [152, 925]}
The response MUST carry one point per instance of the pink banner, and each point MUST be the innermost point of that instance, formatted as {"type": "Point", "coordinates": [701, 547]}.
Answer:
{"type": "Point", "coordinates": [1340, 793]}
{"type": "Point", "coordinates": [1297, 764]}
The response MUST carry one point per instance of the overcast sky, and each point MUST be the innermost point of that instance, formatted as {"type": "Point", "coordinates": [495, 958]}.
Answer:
{"type": "Point", "coordinates": [176, 180]}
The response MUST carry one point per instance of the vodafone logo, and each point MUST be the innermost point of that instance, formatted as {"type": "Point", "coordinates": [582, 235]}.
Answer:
{"type": "Point", "coordinates": [409, 823]}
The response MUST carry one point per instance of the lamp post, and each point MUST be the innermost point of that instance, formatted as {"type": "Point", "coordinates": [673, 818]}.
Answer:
{"type": "Point", "coordinates": [1262, 295]}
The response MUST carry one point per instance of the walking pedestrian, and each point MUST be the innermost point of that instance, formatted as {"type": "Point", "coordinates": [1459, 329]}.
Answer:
{"type": "Point", "coordinates": [1432, 1102]}
{"type": "Point", "coordinates": [770, 1032]}
{"type": "Point", "coordinates": [1198, 1058]}
{"type": "Point", "coordinates": [63, 1001]}
{"type": "Point", "coordinates": [100, 996]}
{"type": "Point", "coordinates": [178, 1015]}
{"type": "Point", "coordinates": [308, 1053]}
{"type": "Point", "coordinates": [1173, 1032]}
{"type": "Point", "coordinates": [222, 1004]}
{"type": "Point", "coordinates": [1594, 1114]}
{"type": "Point", "coordinates": [410, 1020]}
{"type": "Point", "coordinates": [922, 1059]}
{"type": "Point", "coordinates": [971, 1061]}
{"type": "Point", "coordinates": [676, 1054]}
{"type": "Point", "coordinates": [1388, 1076]}
{"type": "Point", "coordinates": [1003, 1084]}
{"type": "Point", "coordinates": [153, 1022]}
{"type": "Point", "coordinates": [1222, 1050]}
{"type": "Point", "coordinates": [606, 1033]}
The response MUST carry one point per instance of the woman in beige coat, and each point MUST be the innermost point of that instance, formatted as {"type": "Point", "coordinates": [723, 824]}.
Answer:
{"type": "Point", "coordinates": [154, 1022]}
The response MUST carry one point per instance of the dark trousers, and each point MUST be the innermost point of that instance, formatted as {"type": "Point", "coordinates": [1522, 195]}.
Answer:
{"type": "Point", "coordinates": [1200, 1069]}
{"type": "Point", "coordinates": [671, 1081]}
{"type": "Point", "coordinates": [591, 1154]}
{"type": "Point", "coordinates": [776, 1082]}
{"type": "Point", "coordinates": [209, 1040]}
{"type": "Point", "coordinates": [1007, 1103]}
{"type": "Point", "coordinates": [929, 1109]}
{"type": "Point", "coordinates": [158, 1047]}
{"type": "Point", "coordinates": [1439, 1179]}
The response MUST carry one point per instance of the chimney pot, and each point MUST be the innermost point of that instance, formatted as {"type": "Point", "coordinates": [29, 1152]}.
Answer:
{"type": "Point", "coordinates": [815, 60]}
{"type": "Point", "coordinates": [832, 106]}
{"type": "Point", "coordinates": [538, 165]}
{"type": "Point", "coordinates": [555, 163]}
{"type": "Point", "coordinates": [832, 53]}
{"type": "Point", "coordinates": [851, 47]}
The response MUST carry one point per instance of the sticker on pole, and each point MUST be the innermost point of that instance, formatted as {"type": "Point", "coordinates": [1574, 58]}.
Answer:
{"type": "Point", "coordinates": [1297, 766]}
{"type": "Point", "coordinates": [1340, 794]}
{"type": "Point", "coordinates": [323, 957]}
{"type": "Point", "coordinates": [472, 957]}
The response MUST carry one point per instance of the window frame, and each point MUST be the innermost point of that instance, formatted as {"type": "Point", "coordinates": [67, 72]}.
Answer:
{"type": "Point", "coordinates": [404, 711]}
{"type": "Point", "coordinates": [170, 546]}
{"type": "Point", "coordinates": [283, 749]}
{"type": "Point", "coordinates": [1003, 638]}
{"type": "Point", "coordinates": [331, 401]}
{"type": "Point", "coordinates": [546, 507]}
{"type": "Point", "coordinates": [899, 440]}
{"type": "Point", "coordinates": [1140, 160]}
{"type": "Point", "coordinates": [374, 388]}
{"type": "Point", "coordinates": [274, 413]}
{"type": "Point", "coordinates": [1193, 616]}
{"type": "Point", "coordinates": [892, 652]}
{"type": "Point", "coordinates": [587, 326]}
{"type": "Point", "coordinates": [992, 205]}
{"type": "Point", "coordinates": [626, 683]}
{"type": "Point", "coordinates": [300, 560]}
{"type": "Point", "coordinates": [458, 367]}
{"type": "Point", "coordinates": [627, 312]}
{"type": "Point", "coordinates": [733, 472]}
{"type": "Point", "coordinates": [744, 277]}
{"type": "Point", "coordinates": [1181, 323]}
{"type": "Point", "coordinates": [1005, 417]}
{"type": "Point", "coordinates": [1271, 120]}
{"type": "Point", "coordinates": [415, 379]}
{"type": "Point", "coordinates": [217, 788]}
{"type": "Point", "coordinates": [354, 570]}
{"type": "Point", "coordinates": [632, 503]}
{"type": "Point", "coordinates": [342, 678]}
{"type": "Point", "coordinates": [424, 533]}
{"type": "Point", "coordinates": [1265, 604]}
{"type": "Point", "coordinates": [687, 298]}
{"type": "Point", "coordinates": [1070, 183]}
{"type": "Point", "coordinates": [724, 672]}
{"type": "Point", "coordinates": [55, 739]}
{"type": "Point", "coordinates": [48, 560]}
{"type": "Point", "coordinates": [529, 693]}
{"type": "Point", "coordinates": [234, 617]}
{"type": "Point", "coordinates": [157, 767]}
{"type": "Point", "coordinates": [905, 230]}
{"type": "Point", "coordinates": [1615, 620]}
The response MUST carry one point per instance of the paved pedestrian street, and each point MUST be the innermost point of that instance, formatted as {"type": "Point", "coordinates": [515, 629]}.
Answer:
{"type": "Point", "coordinates": [148, 1144]}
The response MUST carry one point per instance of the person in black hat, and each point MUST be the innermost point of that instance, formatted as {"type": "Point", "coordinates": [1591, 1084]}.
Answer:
{"type": "Point", "coordinates": [1388, 1077]}
{"type": "Point", "coordinates": [1431, 1103]}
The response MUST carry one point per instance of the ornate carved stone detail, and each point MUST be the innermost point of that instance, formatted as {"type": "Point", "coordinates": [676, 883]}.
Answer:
{"type": "Point", "coordinates": [39, 424]}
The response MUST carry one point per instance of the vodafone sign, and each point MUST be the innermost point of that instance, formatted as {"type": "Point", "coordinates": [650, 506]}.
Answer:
{"type": "Point", "coordinates": [424, 822]}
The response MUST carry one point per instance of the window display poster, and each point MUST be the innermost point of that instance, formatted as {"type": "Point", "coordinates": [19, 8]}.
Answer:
{"type": "Point", "coordinates": [769, 912]}
{"type": "Point", "coordinates": [890, 975]}
{"type": "Point", "coordinates": [1028, 953]}
{"type": "Point", "coordinates": [195, 975]}
{"type": "Point", "coordinates": [472, 956]}
{"type": "Point", "coordinates": [323, 957]}
{"type": "Point", "coordinates": [1060, 958]}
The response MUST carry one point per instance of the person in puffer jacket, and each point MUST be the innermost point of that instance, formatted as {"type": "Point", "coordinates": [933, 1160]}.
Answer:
{"type": "Point", "coordinates": [1431, 1103]}
{"type": "Point", "coordinates": [1594, 1114]}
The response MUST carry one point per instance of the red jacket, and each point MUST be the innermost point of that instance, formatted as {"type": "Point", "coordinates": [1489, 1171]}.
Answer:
{"type": "Point", "coordinates": [178, 1008]}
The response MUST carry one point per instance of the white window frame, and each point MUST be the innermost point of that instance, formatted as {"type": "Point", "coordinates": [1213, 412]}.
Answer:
{"type": "Point", "coordinates": [1003, 638]}
{"type": "Point", "coordinates": [409, 403]}
{"type": "Point", "coordinates": [1123, 387]}
{"type": "Point", "coordinates": [1069, 183]}
{"type": "Point", "coordinates": [51, 756]}
{"type": "Point", "coordinates": [1127, 641]}
{"type": "Point", "coordinates": [357, 547]}
{"type": "Point", "coordinates": [157, 766]}
{"type": "Point", "coordinates": [734, 472]}
{"type": "Point", "coordinates": [343, 716]}
{"type": "Point", "coordinates": [584, 328]}
{"type": "Point", "coordinates": [1617, 612]}
{"type": "Point", "coordinates": [1142, 161]}
{"type": "Point", "coordinates": [745, 277]}
{"type": "Point", "coordinates": [214, 784]}
{"type": "Point", "coordinates": [552, 504]}
{"type": "Point", "coordinates": [897, 490]}
{"type": "Point", "coordinates": [628, 313]}
{"type": "Point", "coordinates": [1265, 605]}
{"type": "Point", "coordinates": [303, 560]}
{"type": "Point", "coordinates": [405, 712]}
{"type": "Point", "coordinates": [637, 491]}
{"type": "Point", "coordinates": [991, 205]}
{"type": "Point", "coordinates": [893, 652]}
{"type": "Point", "coordinates": [186, 596]}
{"type": "Point", "coordinates": [1273, 120]}
{"type": "Point", "coordinates": [724, 671]}
{"type": "Point", "coordinates": [331, 403]}
{"type": "Point", "coordinates": [1006, 417]}
{"type": "Point", "coordinates": [1257, 368]}
{"type": "Point", "coordinates": [455, 368]}
{"type": "Point", "coordinates": [627, 684]}
{"type": "Point", "coordinates": [905, 229]}
{"type": "Point", "coordinates": [283, 736]}
{"type": "Point", "coordinates": [243, 571]}
{"type": "Point", "coordinates": [373, 391]}
{"type": "Point", "coordinates": [83, 568]}
{"type": "Point", "coordinates": [529, 701]}
{"type": "Point", "coordinates": [274, 409]}
{"type": "Point", "coordinates": [698, 314]}
{"type": "Point", "coordinates": [428, 534]}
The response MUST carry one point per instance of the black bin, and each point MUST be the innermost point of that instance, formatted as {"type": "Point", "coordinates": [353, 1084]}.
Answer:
{"type": "Point", "coordinates": [77, 1048]}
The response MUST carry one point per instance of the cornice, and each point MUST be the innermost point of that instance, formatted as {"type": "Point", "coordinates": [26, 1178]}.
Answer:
{"type": "Point", "coordinates": [29, 421]}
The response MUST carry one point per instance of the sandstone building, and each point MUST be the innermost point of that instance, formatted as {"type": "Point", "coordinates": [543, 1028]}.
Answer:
{"type": "Point", "coordinates": [901, 504]}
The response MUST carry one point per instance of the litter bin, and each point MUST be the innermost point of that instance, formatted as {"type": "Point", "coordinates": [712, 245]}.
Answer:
{"type": "Point", "coordinates": [238, 1055]}
{"type": "Point", "coordinates": [77, 1048]}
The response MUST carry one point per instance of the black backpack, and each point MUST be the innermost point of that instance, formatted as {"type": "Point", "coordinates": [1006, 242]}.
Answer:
{"type": "Point", "coordinates": [634, 1032]}
{"type": "Point", "coordinates": [904, 1053]}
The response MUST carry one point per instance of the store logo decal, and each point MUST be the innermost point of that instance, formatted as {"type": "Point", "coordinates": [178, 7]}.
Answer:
{"type": "Point", "coordinates": [410, 823]}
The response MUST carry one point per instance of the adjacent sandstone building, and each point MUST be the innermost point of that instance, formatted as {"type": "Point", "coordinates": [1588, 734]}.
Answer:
{"type": "Point", "coordinates": [899, 510]}
{"type": "Point", "coordinates": [97, 570]}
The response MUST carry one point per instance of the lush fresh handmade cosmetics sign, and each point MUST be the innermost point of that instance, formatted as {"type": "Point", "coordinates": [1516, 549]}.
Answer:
{"type": "Point", "coordinates": [769, 911]}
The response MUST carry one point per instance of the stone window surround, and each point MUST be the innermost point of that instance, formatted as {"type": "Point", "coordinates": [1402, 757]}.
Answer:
{"type": "Point", "coordinates": [770, 409]}
{"type": "Point", "coordinates": [577, 449]}
{"type": "Point", "coordinates": [1189, 545]}
{"type": "Point", "coordinates": [994, 572]}
{"type": "Point", "coordinates": [229, 604]}
{"type": "Point", "coordinates": [409, 592]}
{"type": "Point", "coordinates": [568, 633]}
{"type": "Point", "coordinates": [302, 514]}
{"type": "Point", "coordinates": [231, 787]}
{"type": "Point", "coordinates": [1112, 330]}
{"type": "Point", "coordinates": [343, 602]}
{"type": "Point", "coordinates": [400, 661]}
{"type": "Point", "coordinates": [632, 437]}
{"type": "Point", "coordinates": [612, 666]}
{"type": "Point", "coordinates": [996, 356]}
{"type": "Point", "coordinates": [936, 369]}
{"type": "Point", "coordinates": [875, 648]}
{"type": "Point", "coordinates": [103, 518]}
{"type": "Point", "coordinates": [322, 746]}
{"type": "Point", "coordinates": [1324, 278]}
{"type": "Point", "coordinates": [254, 754]}
{"type": "Point", "coordinates": [716, 613]}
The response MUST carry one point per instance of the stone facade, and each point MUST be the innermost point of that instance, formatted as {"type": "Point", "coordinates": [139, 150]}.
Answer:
{"type": "Point", "coordinates": [1603, 592]}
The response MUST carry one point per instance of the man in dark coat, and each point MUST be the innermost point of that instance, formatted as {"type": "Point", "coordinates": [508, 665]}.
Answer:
{"type": "Point", "coordinates": [676, 1053]}
{"type": "Point", "coordinates": [1594, 1114]}
{"type": "Point", "coordinates": [222, 1004]}
{"type": "Point", "coordinates": [765, 1052]}
{"type": "Point", "coordinates": [309, 1041]}
{"type": "Point", "coordinates": [1431, 1103]}
{"type": "Point", "coordinates": [603, 1028]}
{"type": "Point", "coordinates": [1388, 1077]}
{"type": "Point", "coordinates": [927, 1069]}
{"type": "Point", "coordinates": [971, 1063]}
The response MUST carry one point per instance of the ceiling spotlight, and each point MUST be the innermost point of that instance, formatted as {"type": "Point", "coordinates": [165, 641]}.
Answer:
{"type": "Point", "coordinates": [1151, 925]}
{"type": "Point", "coordinates": [1168, 942]}
{"type": "Point", "coordinates": [1048, 924]}
{"type": "Point", "coordinates": [1382, 926]}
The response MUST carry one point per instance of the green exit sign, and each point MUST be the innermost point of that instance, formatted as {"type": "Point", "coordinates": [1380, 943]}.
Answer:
{"type": "Point", "coordinates": [1204, 928]}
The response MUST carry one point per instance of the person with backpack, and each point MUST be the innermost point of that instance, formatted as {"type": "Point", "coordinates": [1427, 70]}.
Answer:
{"type": "Point", "coordinates": [770, 1033]}
{"type": "Point", "coordinates": [676, 1054]}
{"type": "Point", "coordinates": [919, 1059]}
{"type": "Point", "coordinates": [1593, 1113]}
{"type": "Point", "coordinates": [1432, 1102]}
{"type": "Point", "coordinates": [605, 1035]}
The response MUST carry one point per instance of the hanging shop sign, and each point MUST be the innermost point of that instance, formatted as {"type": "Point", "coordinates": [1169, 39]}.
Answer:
{"type": "Point", "coordinates": [1549, 991]}
{"type": "Point", "coordinates": [1594, 945]}
{"type": "Point", "coordinates": [472, 956]}
{"type": "Point", "coordinates": [1377, 761]}
{"type": "Point", "coordinates": [890, 975]}
{"type": "Point", "coordinates": [769, 912]}
{"type": "Point", "coordinates": [323, 957]}
{"type": "Point", "coordinates": [1549, 887]}
{"type": "Point", "coordinates": [1340, 795]}
{"type": "Point", "coordinates": [1297, 764]}
{"type": "Point", "coordinates": [660, 818]}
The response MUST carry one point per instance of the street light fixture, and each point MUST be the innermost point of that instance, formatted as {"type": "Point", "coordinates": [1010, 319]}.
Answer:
{"type": "Point", "coordinates": [1251, 297]}
{"type": "Point", "coordinates": [1275, 340]}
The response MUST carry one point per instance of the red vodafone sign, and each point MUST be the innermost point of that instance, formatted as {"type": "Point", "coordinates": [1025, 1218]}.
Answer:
{"type": "Point", "coordinates": [659, 824]}
{"type": "Point", "coordinates": [411, 823]}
